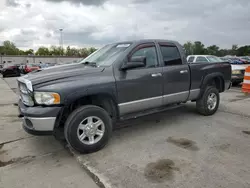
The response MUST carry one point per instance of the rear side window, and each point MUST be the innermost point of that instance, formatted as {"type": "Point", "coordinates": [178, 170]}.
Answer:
{"type": "Point", "coordinates": [191, 59]}
{"type": "Point", "coordinates": [201, 60]}
{"type": "Point", "coordinates": [171, 55]}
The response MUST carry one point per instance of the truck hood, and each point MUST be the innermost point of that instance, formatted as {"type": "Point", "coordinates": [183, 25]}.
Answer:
{"type": "Point", "coordinates": [60, 72]}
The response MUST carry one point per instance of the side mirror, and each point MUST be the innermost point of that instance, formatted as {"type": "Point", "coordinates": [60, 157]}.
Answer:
{"type": "Point", "coordinates": [135, 62]}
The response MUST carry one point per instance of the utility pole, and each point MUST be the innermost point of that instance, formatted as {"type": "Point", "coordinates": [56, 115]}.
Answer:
{"type": "Point", "coordinates": [61, 38]}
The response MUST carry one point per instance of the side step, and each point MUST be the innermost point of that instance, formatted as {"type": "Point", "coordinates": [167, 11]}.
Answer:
{"type": "Point", "coordinates": [148, 112]}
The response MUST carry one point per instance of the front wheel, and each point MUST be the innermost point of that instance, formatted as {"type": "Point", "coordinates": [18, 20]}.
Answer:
{"type": "Point", "coordinates": [209, 102]}
{"type": "Point", "coordinates": [88, 129]}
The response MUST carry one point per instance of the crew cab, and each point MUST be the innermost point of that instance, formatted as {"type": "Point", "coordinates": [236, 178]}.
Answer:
{"type": "Point", "coordinates": [119, 81]}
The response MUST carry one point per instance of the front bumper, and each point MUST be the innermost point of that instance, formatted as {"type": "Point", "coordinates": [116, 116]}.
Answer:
{"type": "Point", "coordinates": [38, 120]}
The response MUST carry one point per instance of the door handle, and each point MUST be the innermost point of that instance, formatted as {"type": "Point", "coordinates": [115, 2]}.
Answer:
{"type": "Point", "coordinates": [183, 71]}
{"type": "Point", "coordinates": [156, 74]}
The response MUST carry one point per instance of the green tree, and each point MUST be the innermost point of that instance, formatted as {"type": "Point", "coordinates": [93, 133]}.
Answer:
{"type": "Point", "coordinates": [213, 50]}
{"type": "Point", "coordinates": [72, 51]}
{"type": "Point", "coordinates": [91, 50]}
{"type": "Point", "coordinates": [29, 52]}
{"type": "Point", "coordinates": [83, 52]}
{"type": "Point", "coordinates": [199, 48]}
{"type": "Point", "coordinates": [44, 51]}
{"type": "Point", "coordinates": [2, 50]}
{"type": "Point", "coordinates": [234, 49]}
{"type": "Point", "coordinates": [224, 52]}
{"type": "Point", "coordinates": [54, 50]}
{"type": "Point", "coordinates": [68, 52]}
{"type": "Point", "coordinates": [189, 48]}
{"type": "Point", "coordinates": [243, 51]}
{"type": "Point", "coordinates": [9, 48]}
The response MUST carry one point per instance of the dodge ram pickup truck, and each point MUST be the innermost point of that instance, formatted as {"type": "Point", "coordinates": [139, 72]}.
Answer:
{"type": "Point", "coordinates": [119, 81]}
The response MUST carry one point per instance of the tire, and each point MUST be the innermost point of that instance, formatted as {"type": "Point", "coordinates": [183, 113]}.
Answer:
{"type": "Point", "coordinates": [202, 104]}
{"type": "Point", "coordinates": [72, 128]}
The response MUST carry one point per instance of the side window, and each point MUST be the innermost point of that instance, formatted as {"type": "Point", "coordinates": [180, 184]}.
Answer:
{"type": "Point", "coordinates": [149, 53]}
{"type": "Point", "coordinates": [171, 55]}
{"type": "Point", "coordinates": [201, 59]}
{"type": "Point", "coordinates": [191, 59]}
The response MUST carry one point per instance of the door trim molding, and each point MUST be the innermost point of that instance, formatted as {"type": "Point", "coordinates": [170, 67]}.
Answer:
{"type": "Point", "coordinates": [175, 97]}
{"type": "Point", "coordinates": [142, 104]}
{"type": "Point", "coordinates": [154, 102]}
{"type": "Point", "coordinates": [194, 93]}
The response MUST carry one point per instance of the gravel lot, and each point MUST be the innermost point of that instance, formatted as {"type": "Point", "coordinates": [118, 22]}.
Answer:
{"type": "Point", "coordinates": [29, 161]}
{"type": "Point", "coordinates": [177, 148]}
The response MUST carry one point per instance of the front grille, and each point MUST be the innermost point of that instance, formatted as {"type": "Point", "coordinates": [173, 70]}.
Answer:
{"type": "Point", "coordinates": [24, 94]}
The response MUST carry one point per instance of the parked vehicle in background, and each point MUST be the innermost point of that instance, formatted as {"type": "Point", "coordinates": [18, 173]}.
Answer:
{"type": "Point", "coordinates": [238, 71]}
{"type": "Point", "coordinates": [1, 68]}
{"type": "Point", "coordinates": [119, 81]}
{"type": "Point", "coordinates": [203, 59]}
{"type": "Point", "coordinates": [46, 65]}
{"type": "Point", "coordinates": [43, 65]}
{"type": "Point", "coordinates": [235, 60]}
{"type": "Point", "coordinates": [22, 68]}
{"type": "Point", "coordinates": [13, 70]}
{"type": "Point", "coordinates": [31, 67]}
{"type": "Point", "coordinates": [246, 58]}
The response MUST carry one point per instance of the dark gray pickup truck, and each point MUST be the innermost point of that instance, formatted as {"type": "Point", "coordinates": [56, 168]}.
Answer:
{"type": "Point", "coordinates": [119, 81]}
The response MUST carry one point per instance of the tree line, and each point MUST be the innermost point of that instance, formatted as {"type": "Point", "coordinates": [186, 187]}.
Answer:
{"type": "Point", "coordinates": [9, 48]}
{"type": "Point", "coordinates": [197, 48]}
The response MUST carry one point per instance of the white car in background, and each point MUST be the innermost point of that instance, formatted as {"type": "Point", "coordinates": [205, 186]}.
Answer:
{"type": "Point", "coordinates": [238, 71]}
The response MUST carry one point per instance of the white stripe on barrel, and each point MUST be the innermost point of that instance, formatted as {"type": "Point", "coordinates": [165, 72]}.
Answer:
{"type": "Point", "coordinates": [246, 82]}
{"type": "Point", "coordinates": [247, 73]}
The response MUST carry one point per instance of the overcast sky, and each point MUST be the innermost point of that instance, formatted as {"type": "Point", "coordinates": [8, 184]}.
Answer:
{"type": "Point", "coordinates": [34, 23]}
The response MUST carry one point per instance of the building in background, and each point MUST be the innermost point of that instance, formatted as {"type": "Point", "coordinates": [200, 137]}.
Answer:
{"type": "Point", "coordinates": [11, 59]}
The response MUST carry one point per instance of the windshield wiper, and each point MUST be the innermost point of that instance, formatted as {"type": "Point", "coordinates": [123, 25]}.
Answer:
{"type": "Point", "coordinates": [93, 64]}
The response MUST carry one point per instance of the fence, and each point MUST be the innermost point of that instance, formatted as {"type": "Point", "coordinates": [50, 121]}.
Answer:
{"type": "Point", "coordinates": [36, 59]}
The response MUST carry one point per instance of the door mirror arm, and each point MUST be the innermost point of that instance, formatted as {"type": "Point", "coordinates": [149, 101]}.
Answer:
{"type": "Point", "coordinates": [134, 62]}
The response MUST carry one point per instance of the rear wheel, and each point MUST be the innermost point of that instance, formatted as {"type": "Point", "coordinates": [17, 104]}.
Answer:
{"type": "Point", "coordinates": [209, 102]}
{"type": "Point", "coordinates": [88, 129]}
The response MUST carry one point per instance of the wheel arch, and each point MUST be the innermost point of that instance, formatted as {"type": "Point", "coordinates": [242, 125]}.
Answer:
{"type": "Point", "coordinates": [105, 100]}
{"type": "Point", "coordinates": [216, 79]}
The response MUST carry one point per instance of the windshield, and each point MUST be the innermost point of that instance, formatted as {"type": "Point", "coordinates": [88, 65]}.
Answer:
{"type": "Point", "coordinates": [214, 59]}
{"type": "Point", "coordinates": [106, 55]}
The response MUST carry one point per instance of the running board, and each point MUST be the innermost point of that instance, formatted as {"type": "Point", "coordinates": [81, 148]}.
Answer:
{"type": "Point", "coordinates": [148, 112]}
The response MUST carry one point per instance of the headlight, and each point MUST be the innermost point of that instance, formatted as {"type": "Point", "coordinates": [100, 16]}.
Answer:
{"type": "Point", "coordinates": [236, 72]}
{"type": "Point", "coordinates": [47, 98]}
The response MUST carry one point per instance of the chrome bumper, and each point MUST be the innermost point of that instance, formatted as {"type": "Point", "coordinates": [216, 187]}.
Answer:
{"type": "Point", "coordinates": [39, 124]}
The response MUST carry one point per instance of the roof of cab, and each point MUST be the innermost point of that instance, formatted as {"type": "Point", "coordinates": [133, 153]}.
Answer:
{"type": "Point", "coordinates": [148, 40]}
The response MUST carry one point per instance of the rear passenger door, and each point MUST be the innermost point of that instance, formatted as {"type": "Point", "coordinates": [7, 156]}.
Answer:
{"type": "Point", "coordinates": [176, 75]}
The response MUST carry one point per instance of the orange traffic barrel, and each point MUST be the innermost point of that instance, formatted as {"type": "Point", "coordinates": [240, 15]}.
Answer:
{"type": "Point", "coordinates": [246, 82]}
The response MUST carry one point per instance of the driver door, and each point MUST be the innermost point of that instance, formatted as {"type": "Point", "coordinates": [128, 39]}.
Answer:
{"type": "Point", "coordinates": [140, 88]}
